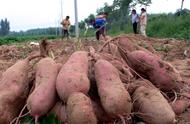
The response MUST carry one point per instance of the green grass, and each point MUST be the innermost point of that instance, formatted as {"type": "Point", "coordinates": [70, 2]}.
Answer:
{"type": "Point", "coordinates": [50, 119]}
{"type": "Point", "coordinates": [19, 39]}
{"type": "Point", "coordinates": [169, 26]}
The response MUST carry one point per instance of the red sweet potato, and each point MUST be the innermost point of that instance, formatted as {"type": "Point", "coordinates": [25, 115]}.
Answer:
{"type": "Point", "coordinates": [73, 76]}
{"type": "Point", "coordinates": [43, 98]}
{"type": "Point", "coordinates": [79, 109]}
{"type": "Point", "coordinates": [14, 89]}
{"type": "Point", "coordinates": [60, 112]}
{"type": "Point", "coordinates": [180, 106]}
{"type": "Point", "coordinates": [126, 44]}
{"type": "Point", "coordinates": [129, 45]}
{"type": "Point", "coordinates": [1, 74]}
{"type": "Point", "coordinates": [114, 98]}
{"type": "Point", "coordinates": [152, 107]}
{"type": "Point", "coordinates": [162, 74]}
{"type": "Point", "coordinates": [119, 63]}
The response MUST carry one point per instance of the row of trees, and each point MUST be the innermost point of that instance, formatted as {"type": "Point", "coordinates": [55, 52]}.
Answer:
{"type": "Point", "coordinates": [42, 31]}
{"type": "Point", "coordinates": [4, 27]}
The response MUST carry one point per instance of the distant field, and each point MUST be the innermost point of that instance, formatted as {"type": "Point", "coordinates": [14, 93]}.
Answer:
{"type": "Point", "coordinates": [19, 39]}
{"type": "Point", "coordinates": [159, 25]}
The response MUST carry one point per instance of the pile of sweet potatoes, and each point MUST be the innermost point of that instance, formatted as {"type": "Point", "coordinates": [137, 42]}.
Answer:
{"type": "Point", "coordinates": [95, 87]}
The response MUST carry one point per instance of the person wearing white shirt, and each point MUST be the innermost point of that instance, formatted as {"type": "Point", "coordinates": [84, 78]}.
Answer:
{"type": "Point", "coordinates": [143, 22]}
{"type": "Point", "coordinates": [135, 20]}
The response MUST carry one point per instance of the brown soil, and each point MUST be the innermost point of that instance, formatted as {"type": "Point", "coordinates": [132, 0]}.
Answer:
{"type": "Point", "coordinates": [175, 51]}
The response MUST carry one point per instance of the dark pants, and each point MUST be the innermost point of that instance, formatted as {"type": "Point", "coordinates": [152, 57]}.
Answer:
{"type": "Point", "coordinates": [65, 33]}
{"type": "Point", "coordinates": [101, 31]}
{"type": "Point", "coordinates": [135, 27]}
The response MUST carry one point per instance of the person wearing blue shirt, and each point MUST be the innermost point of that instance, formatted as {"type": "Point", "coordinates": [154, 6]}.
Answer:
{"type": "Point", "coordinates": [100, 25]}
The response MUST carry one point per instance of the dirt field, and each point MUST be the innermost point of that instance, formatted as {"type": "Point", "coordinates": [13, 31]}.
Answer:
{"type": "Point", "coordinates": [175, 51]}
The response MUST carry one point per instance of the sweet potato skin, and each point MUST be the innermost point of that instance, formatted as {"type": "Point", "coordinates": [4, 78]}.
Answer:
{"type": "Point", "coordinates": [180, 105]}
{"type": "Point", "coordinates": [79, 109]}
{"type": "Point", "coordinates": [120, 64]}
{"type": "Point", "coordinates": [1, 74]}
{"type": "Point", "coordinates": [111, 90]}
{"type": "Point", "coordinates": [43, 98]}
{"type": "Point", "coordinates": [59, 66]}
{"type": "Point", "coordinates": [152, 106]}
{"type": "Point", "coordinates": [14, 89]}
{"type": "Point", "coordinates": [160, 73]}
{"type": "Point", "coordinates": [128, 45]}
{"type": "Point", "coordinates": [73, 76]}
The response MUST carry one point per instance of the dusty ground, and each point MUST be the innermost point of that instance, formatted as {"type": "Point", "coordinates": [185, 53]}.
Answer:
{"type": "Point", "coordinates": [175, 51]}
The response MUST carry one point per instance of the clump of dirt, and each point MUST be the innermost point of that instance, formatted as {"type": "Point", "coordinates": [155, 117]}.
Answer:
{"type": "Point", "coordinates": [183, 66]}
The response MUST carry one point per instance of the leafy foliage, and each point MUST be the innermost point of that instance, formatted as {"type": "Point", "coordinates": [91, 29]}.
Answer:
{"type": "Point", "coordinates": [18, 39]}
{"type": "Point", "coordinates": [169, 25]}
{"type": "Point", "coordinates": [50, 119]}
{"type": "Point", "coordinates": [5, 27]}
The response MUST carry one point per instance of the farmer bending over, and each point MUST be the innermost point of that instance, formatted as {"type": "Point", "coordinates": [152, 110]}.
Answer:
{"type": "Point", "coordinates": [100, 25]}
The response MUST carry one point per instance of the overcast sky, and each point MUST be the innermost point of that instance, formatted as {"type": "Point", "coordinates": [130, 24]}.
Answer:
{"type": "Point", "coordinates": [27, 14]}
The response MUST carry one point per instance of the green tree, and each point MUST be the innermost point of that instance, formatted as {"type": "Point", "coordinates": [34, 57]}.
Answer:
{"type": "Point", "coordinates": [89, 19]}
{"type": "Point", "coordinates": [142, 2]}
{"type": "Point", "coordinates": [82, 25]}
{"type": "Point", "coordinates": [5, 27]}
